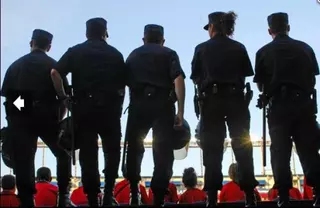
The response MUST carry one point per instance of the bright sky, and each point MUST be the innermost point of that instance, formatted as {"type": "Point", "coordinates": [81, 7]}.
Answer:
{"type": "Point", "coordinates": [182, 20]}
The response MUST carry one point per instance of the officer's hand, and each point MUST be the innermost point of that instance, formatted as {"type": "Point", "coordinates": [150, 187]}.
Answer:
{"type": "Point", "coordinates": [179, 120]}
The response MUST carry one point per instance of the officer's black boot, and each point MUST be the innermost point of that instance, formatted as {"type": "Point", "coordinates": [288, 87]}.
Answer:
{"type": "Point", "coordinates": [158, 199]}
{"type": "Point", "coordinates": [212, 199]}
{"type": "Point", "coordinates": [93, 200]}
{"type": "Point", "coordinates": [64, 200]}
{"type": "Point", "coordinates": [283, 200]}
{"type": "Point", "coordinates": [108, 199]}
{"type": "Point", "coordinates": [135, 196]}
{"type": "Point", "coordinates": [317, 197]}
{"type": "Point", "coordinates": [26, 201]}
{"type": "Point", "coordinates": [64, 196]}
{"type": "Point", "coordinates": [251, 200]}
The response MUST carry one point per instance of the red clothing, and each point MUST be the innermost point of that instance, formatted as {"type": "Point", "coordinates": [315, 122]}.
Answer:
{"type": "Point", "coordinates": [191, 196]}
{"type": "Point", "coordinates": [78, 197]}
{"type": "Point", "coordinates": [9, 199]}
{"type": "Point", "coordinates": [46, 195]}
{"type": "Point", "coordinates": [294, 193]}
{"type": "Point", "coordinates": [122, 192]}
{"type": "Point", "coordinates": [231, 192]}
{"type": "Point", "coordinates": [172, 197]}
{"type": "Point", "coordinates": [264, 196]}
{"type": "Point", "coordinates": [307, 191]}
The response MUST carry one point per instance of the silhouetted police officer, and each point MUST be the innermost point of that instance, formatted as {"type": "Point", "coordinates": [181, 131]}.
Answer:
{"type": "Point", "coordinates": [219, 68]}
{"type": "Point", "coordinates": [98, 85]}
{"type": "Point", "coordinates": [155, 79]}
{"type": "Point", "coordinates": [29, 77]}
{"type": "Point", "coordinates": [285, 72]}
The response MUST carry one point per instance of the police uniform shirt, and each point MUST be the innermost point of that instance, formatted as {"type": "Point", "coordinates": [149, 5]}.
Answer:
{"type": "Point", "coordinates": [153, 64]}
{"type": "Point", "coordinates": [286, 61]}
{"type": "Point", "coordinates": [220, 60]}
{"type": "Point", "coordinates": [29, 76]}
{"type": "Point", "coordinates": [94, 65]}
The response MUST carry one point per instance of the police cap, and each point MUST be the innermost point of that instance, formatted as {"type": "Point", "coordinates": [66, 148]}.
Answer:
{"type": "Point", "coordinates": [153, 30]}
{"type": "Point", "coordinates": [97, 24]}
{"type": "Point", "coordinates": [278, 18]}
{"type": "Point", "coordinates": [214, 17]}
{"type": "Point", "coordinates": [42, 35]}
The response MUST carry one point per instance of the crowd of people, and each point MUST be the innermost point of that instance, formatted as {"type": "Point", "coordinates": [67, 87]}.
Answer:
{"type": "Point", "coordinates": [47, 193]}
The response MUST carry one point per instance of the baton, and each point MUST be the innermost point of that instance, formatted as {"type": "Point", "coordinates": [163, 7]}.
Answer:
{"type": "Point", "coordinates": [70, 105]}
{"type": "Point", "coordinates": [264, 129]}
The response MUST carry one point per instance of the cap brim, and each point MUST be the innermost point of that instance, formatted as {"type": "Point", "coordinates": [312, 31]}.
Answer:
{"type": "Point", "coordinates": [206, 27]}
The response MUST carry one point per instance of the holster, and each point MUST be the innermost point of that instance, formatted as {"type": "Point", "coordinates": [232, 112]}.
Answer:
{"type": "Point", "coordinates": [249, 93]}
{"type": "Point", "coordinates": [197, 102]}
{"type": "Point", "coordinates": [262, 101]}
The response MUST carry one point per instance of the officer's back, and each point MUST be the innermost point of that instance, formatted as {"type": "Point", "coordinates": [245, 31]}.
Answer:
{"type": "Point", "coordinates": [154, 76]}
{"type": "Point", "coordinates": [149, 64]}
{"type": "Point", "coordinates": [98, 84]}
{"type": "Point", "coordinates": [288, 61]}
{"type": "Point", "coordinates": [29, 76]}
{"type": "Point", "coordinates": [285, 73]}
{"type": "Point", "coordinates": [32, 73]}
{"type": "Point", "coordinates": [219, 68]}
{"type": "Point", "coordinates": [95, 65]}
{"type": "Point", "coordinates": [224, 60]}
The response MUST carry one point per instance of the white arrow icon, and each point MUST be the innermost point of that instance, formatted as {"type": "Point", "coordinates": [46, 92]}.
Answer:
{"type": "Point", "coordinates": [19, 103]}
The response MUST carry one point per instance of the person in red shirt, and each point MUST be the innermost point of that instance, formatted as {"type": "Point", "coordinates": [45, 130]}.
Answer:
{"type": "Point", "coordinates": [79, 198]}
{"type": "Point", "coordinates": [264, 196]}
{"type": "Point", "coordinates": [307, 190]}
{"type": "Point", "coordinates": [170, 198]}
{"type": "Point", "coordinates": [231, 191]}
{"type": "Point", "coordinates": [122, 192]}
{"type": "Point", "coordinates": [47, 193]}
{"type": "Point", "coordinates": [192, 194]}
{"type": "Point", "coordinates": [294, 194]}
{"type": "Point", "coordinates": [8, 198]}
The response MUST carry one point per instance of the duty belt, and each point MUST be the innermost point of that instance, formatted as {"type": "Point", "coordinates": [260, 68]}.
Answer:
{"type": "Point", "coordinates": [222, 88]}
{"type": "Point", "coordinates": [290, 93]}
{"type": "Point", "coordinates": [287, 92]}
{"type": "Point", "coordinates": [152, 92]}
{"type": "Point", "coordinates": [99, 94]}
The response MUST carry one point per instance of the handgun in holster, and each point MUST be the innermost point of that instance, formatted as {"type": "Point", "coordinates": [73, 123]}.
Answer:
{"type": "Point", "coordinates": [249, 93]}
{"type": "Point", "coordinates": [196, 102]}
{"type": "Point", "coordinates": [262, 101]}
